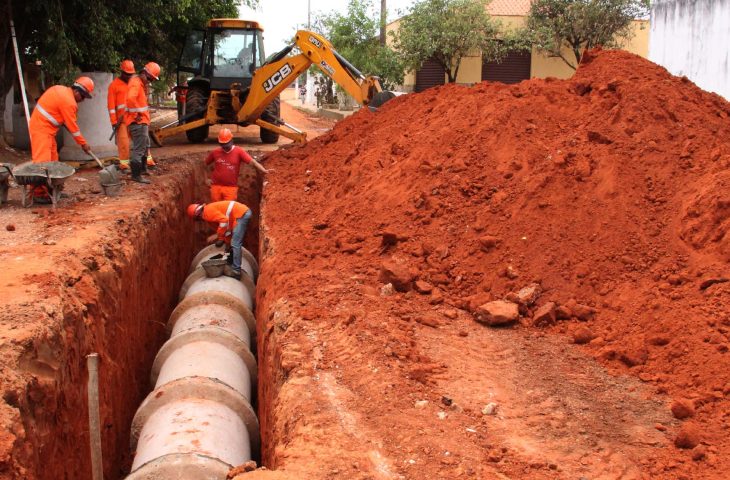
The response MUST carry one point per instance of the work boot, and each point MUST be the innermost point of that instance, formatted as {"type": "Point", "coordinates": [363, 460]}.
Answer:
{"type": "Point", "coordinates": [150, 162]}
{"type": "Point", "coordinates": [139, 179]}
{"type": "Point", "coordinates": [145, 172]}
{"type": "Point", "coordinates": [228, 271]}
{"type": "Point", "coordinates": [124, 165]}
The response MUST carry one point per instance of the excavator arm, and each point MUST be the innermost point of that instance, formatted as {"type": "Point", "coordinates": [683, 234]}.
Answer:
{"type": "Point", "coordinates": [273, 77]}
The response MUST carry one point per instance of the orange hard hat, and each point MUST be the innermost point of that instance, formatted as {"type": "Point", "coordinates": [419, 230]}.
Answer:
{"type": "Point", "coordinates": [127, 66]}
{"type": "Point", "coordinates": [193, 209]}
{"type": "Point", "coordinates": [153, 70]}
{"type": "Point", "coordinates": [225, 136]}
{"type": "Point", "coordinates": [85, 85]}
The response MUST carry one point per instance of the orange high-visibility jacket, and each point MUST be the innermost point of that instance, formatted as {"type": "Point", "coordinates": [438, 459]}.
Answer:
{"type": "Point", "coordinates": [137, 106]}
{"type": "Point", "coordinates": [226, 215]}
{"type": "Point", "coordinates": [57, 106]}
{"type": "Point", "coordinates": [116, 100]}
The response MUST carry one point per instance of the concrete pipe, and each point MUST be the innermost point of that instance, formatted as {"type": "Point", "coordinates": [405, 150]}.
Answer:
{"type": "Point", "coordinates": [198, 422]}
{"type": "Point", "coordinates": [199, 273]}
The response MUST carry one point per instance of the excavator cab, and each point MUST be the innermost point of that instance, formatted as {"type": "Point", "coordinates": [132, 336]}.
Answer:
{"type": "Point", "coordinates": [213, 63]}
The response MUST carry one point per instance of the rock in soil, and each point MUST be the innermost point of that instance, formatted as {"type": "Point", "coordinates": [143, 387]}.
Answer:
{"type": "Point", "coordinates": [499, 312]}
{"type": "Point", "coordinates": [10, 227]}
{"type": "Point", "coordinates": [682, 409]}
{"type": "Point", "coordinates": [688, 436]}
{"type": "Point", "coordinates": [398, 273]}
{"type": "Point", "coordinates": [583, 335]}
{"type": "Point", "coordinates": [423, 287]}
{"type": "Point", "coordinates": [545, 315]}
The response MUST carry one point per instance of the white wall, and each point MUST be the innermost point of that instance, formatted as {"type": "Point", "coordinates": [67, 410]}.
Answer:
{"type": "Point", "coordinates": [8, 113]}
{"type": "Point", "coordinates": [692, 38]}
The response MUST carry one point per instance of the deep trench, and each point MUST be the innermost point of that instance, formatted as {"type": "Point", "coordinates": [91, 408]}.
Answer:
{"type": "Point", "coordinates": [125, 325]}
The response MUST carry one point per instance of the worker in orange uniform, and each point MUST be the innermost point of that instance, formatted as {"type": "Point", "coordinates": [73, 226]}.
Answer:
{"type": "Point", "coordinates": [57, 106]}
{"type": "Point", "coordinates": [226, 161]}
{"type": "Point", "coordinates": [138, 119]}
{"type": "Point", "coordinates": [117, 103]}
{"type": "Point", "coordinates": [231, 219]}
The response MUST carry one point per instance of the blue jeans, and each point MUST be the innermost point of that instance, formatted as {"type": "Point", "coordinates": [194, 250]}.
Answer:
{"type": "Point", "coordinates": [237, 240]}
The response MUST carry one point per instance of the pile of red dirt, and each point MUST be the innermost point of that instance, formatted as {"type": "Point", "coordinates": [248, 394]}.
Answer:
{"type": "Point", "coordinates": [610, 190]}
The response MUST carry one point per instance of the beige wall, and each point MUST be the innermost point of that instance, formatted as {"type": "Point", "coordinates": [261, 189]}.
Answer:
{"type": "Point", "coordinates": [542, 66]}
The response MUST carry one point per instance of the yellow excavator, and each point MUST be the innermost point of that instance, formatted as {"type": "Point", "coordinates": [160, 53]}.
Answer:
{"type": "Point", "coordinates": [224, 78]}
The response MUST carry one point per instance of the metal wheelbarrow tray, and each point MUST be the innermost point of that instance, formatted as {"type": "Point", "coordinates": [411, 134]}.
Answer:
{"type": "Point", "coordinates": [52, 175]}
{"type": "Point", "coordinates": [5, 174]}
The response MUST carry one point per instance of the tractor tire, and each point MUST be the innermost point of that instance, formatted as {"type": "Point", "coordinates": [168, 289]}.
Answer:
{"type": "Point", "coordinates": [271, 115]}
{"type": "Point", "coordinates": [197, 100]}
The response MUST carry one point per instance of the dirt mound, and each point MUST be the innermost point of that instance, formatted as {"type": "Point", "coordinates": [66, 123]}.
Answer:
{"type": "Point", "coordinates": [609, 190]}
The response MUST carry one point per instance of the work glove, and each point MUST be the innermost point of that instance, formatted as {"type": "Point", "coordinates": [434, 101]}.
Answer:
{"type": "Point", "coordinates": [219, 243]}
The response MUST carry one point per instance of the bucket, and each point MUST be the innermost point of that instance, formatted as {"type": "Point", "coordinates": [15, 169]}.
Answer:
{"type": "Point", "coordinates": [214, 267]}
{"type": "Point", "coordinates": [112, 190]}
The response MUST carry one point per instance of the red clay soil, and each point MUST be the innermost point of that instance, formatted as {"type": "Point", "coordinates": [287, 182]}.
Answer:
{"type": "Point", "coordinates": [610, 190]}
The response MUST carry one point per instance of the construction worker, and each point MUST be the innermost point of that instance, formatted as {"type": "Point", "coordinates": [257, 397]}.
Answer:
{"type": "Point", "coordinates": [231, 219]}
{"type": "Point", "coordinates": [226, 161]}
{"type": "Point", "coordinates": [117, 104]}
{"type": "Point", "coordinates": [138, 119]}
{"type": "Point", "coordinates": [57, 106]}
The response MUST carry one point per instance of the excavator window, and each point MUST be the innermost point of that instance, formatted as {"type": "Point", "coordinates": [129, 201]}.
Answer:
{"type": "Point", "coordinates": [192, 52]}
{"type": "Point", "coordinates": [234, 54]}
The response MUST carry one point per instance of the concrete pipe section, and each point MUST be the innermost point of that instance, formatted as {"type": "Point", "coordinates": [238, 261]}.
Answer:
{"type": "Point", "coordinates": [198, 422]}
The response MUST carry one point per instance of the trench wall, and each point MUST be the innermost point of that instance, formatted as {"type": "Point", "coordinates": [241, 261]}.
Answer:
{"type": "Point", "coordinates": [112, 295]}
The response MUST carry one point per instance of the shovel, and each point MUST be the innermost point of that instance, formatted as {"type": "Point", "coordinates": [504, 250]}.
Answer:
{"type": "Point", "coordinates": [101, 165]}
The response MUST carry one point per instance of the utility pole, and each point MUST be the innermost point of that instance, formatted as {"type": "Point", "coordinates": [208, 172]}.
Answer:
{"type": "Point", "coordinates": [383, 12]}
{"type": "Point", "coordinates": [309, 14]}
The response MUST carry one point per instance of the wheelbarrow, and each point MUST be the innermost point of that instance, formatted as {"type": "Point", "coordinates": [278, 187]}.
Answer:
{"type": "Point", "coordinates": [5, 174]}
{"type": "Point", "coordinates": [51, 175]}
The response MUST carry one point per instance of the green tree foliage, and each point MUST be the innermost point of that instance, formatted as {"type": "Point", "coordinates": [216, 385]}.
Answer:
{"type": "Point", "coordinates": [575, 25]}
{"type": "Point", "coordinates": [355, 35]}
{"type": "Point", "coordinates": [448, 30]}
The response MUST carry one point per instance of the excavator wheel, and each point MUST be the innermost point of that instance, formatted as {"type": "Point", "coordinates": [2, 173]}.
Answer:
{"type": "Point", "coordinates": [197, 100]}
{"type": "Point", "coordinates": [380, 98]}
{"type": "Point", "coordinates": [271, 115]}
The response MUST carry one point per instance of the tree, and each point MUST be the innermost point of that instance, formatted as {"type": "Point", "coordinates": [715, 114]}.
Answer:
{"type": "Point", "coordinates": [576, 25]}
{"type": "Point", "coordinates": [355, 35]}
{"type": "Point", "coordinates": [69, 36]}
{"type": "Point", "coordinates": [446, 31]}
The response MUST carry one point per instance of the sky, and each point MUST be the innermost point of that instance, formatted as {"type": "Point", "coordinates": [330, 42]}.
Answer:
{"type": "Point", "coordinates": [281, 18]}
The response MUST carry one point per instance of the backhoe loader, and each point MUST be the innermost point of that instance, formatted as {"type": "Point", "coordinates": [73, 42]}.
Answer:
{"type": "Point", "coordinates": [226, 80]}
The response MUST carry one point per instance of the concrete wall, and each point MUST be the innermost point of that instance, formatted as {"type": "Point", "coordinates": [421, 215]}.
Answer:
{"type": "Point", "coordinates": [93, 120]}
{"type": "Point", "coordinates": [692, 38]}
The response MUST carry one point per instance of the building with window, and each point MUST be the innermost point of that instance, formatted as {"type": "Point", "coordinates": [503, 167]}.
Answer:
{"type": "Point", "coordinates": [517, 66]}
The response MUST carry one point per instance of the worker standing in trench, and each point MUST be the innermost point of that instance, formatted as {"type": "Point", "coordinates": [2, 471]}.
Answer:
{"type": "Point", "coordinates": [226, 161]}
{"type": "Point", "coordinates": [231, 219]}
{"type": "Point", "coordinates": [57, 106]}
{"type": "Point", "coordinates": [138, 118]}
{"type": "Point", "coordinates": [117, 104]}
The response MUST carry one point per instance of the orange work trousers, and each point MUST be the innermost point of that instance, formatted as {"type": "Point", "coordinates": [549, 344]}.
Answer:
{"type": "Point", "coordinates": [43, 146]}
{"type": "Point", "coordinates": [123, 142]}
{"type": "Point", "coordinates": [221, 193]}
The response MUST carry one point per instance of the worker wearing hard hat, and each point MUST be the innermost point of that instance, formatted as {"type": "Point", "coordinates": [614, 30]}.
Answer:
{"type": "Point", "coordinates": [231, 219]}
{"type": "Point", "coordinates": [226, 161]}
{"type": "Point", "coordinates": [57, 106]}
{"type": "Point", "coordinates": [117, 103]}
{"type": "Point", "coordinates": [138, 118]}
